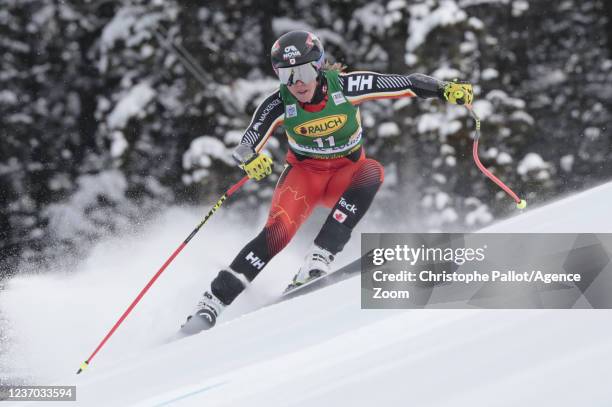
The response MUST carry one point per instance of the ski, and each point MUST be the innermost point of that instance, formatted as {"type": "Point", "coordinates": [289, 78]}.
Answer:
{"type": "Point", "coordinates": [351, 269]}
{"type": "Point", "coordinates": [326, 280]}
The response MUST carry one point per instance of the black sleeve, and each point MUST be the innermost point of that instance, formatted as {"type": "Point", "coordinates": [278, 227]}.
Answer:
{"type": "Point", "coordinates": [365, 85]}
{"type": "Point", "coordinates": [268, 115]}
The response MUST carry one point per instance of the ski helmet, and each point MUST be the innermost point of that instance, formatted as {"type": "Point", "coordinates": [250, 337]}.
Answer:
{"type": "Point", "coordinates": [293, 50]}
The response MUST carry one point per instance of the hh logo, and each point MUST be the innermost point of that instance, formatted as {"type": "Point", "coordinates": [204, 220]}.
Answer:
{"type": "Point", "coordinates": [360, 82]}
{"type": "Point", "coordinates": [321, 127]}
{"type": "Point", "coordinates": [255, 261]}
{"type": "Point", "coordinates": [339, 216]}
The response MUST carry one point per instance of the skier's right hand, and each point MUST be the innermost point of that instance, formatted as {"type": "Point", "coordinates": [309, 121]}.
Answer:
{"type": "Point", "coordinates": [256, 165]}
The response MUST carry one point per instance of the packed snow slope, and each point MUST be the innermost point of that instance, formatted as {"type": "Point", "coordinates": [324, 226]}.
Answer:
{"type": "Point", "coordinates": [323, 350]}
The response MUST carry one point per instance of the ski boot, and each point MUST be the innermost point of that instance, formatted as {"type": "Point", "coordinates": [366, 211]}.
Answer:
{"type": "Point", "coordinates": [317, 265]}
{"type": "Point", "coordinates": [205, 317]}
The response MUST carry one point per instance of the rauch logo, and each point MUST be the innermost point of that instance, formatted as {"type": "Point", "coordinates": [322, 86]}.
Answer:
{"type": "Point", "coordinates": [321, 127]}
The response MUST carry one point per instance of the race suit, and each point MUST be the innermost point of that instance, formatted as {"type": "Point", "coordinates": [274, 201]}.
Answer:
{"type": "Point", "coordinates": [325, 164]}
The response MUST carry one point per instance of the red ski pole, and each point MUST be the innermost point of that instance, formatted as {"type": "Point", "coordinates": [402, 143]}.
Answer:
{"type": "Point", "coordinates": [520, 203]}
{"type": "Point", "coordinates": [229, 193]}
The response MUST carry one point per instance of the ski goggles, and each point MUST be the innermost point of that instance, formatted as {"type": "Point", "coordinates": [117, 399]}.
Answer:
{"type": "Point", "coordinates": [305, 73]}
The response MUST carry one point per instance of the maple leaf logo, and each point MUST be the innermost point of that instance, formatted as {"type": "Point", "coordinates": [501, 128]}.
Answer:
{"type": "Point", "coordinates": [339, 216]}
{"type": "Point", "coordinates": [290, 197]}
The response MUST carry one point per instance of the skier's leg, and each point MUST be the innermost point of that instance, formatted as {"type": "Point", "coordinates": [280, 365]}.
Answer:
{"type": "Point", "coordinates": [350, 192]}
{"type": "Point", "coordinates": [295, 196]}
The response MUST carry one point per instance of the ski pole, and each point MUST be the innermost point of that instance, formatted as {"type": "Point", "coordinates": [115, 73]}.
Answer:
{"type": "Point", "coordinates": [520, 203]}
{"type": "Point", "coordinates": [226, 195]}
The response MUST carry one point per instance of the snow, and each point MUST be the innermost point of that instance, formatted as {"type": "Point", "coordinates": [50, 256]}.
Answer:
{"type": "Point", "coordinates": [202, 149]}
{"type": "Point", "coordinates": [480, 215]}
{"type": "Point", "coordinates": [118, 27]}
{"type": "Point", "coordinates": [523, 117]}
{"type": "Point", "coordinates": [592, 133]}
{"type": "Point", "coordinates": [442, 199]}
{"type": "Point", "coordinates": [243, 91]}
{"type": "Point", "coordinates": [489, 73]}
{"type": "Point", "coordinates": [19, 118]}
{"type": "Point", "coordinates": [476, 23]}
{"type": "Point", "coordinates": [567, 162]}
{"type": "Point", "coordinates": [504, 158]}
{"type": "Point", "coordinates": [233, 137]}
{"type": "Point", "coordinates": [410, 59]}
{"type": "Point", "coordinates": [446, 73]}
{"type": "Point", "coordinates": [74, 217]}
{"type": "Point", "coordinates": [449, 215]}
{"type": "Point", "coordinates": [7, 97]}
{"type": "Point", "coordinates": [427, 201]}
{"type": "Point", "coordinates": [439, 178]}
{"type": "Point", "coordinates": [519, 7]}
{"type": "Point", "coordinates": [532, 162]}
{"type": "Point", "coordinates": [483, 108]}
{"type": "Point", "coordinates": [446, 149]}
{"type": "Point", "coordinates": [118, 144]}
{"type": "Point", "coordinates": [131, 104]}
{"type": "Point", "coordinates": [200, 155]}
{"type": "Point", "coordinates": [132, 24]}
{"type": "Point", "coordinates": [319, 349]}
{"type": "Point", "coordinates": [502, 97]}
{"type": "Point", "coordinates": [423, 20]}
{"type": "Point", "coordinates": [282, 25]}
{"type": "Point", "coordinates": [12, 165]}
{"type": "Point", "coordinates": [371, 18]}
{"type": "Point", "coordinates": [443, 123]}
{"type": "Point", "coordinates": [552, 77]}
{"type": "Point", "coordinates": [388, 129]}
{"type": "Point", "coordinates": [396, 5]}
{"type": "Point", "coordinates": [468, 3]}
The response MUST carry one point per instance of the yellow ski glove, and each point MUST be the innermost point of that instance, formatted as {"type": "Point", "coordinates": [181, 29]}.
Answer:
{"type": "Point", "coordinates": [458, 92]}
{"type": "Point", "coordinates": [257, 166]}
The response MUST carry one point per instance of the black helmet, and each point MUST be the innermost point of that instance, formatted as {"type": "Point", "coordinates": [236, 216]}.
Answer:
{"type": "Point", "coordinates": [297, 48]}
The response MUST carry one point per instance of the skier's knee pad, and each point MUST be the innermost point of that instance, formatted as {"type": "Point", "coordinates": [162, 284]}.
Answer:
{"type": "Point", "coordinates": [370, 172]}
{"type": "Point", "coordinates": [278, 235]}
{"type": "Point", "coordinates": [226, 287]}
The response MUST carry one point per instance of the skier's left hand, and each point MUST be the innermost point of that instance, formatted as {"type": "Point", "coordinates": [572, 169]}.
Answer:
{"type": "Point", "coordinates": [458, 92]}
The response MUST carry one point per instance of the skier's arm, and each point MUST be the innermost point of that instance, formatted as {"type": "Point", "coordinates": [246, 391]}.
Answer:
{"type": "Point", "coordinates": [267, 117]}
{"type": "Point", "coordinates": [365, 85]}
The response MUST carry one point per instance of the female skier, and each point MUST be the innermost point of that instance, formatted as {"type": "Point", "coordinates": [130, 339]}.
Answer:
{"type": "Point", "coordinates": [318, 106]}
